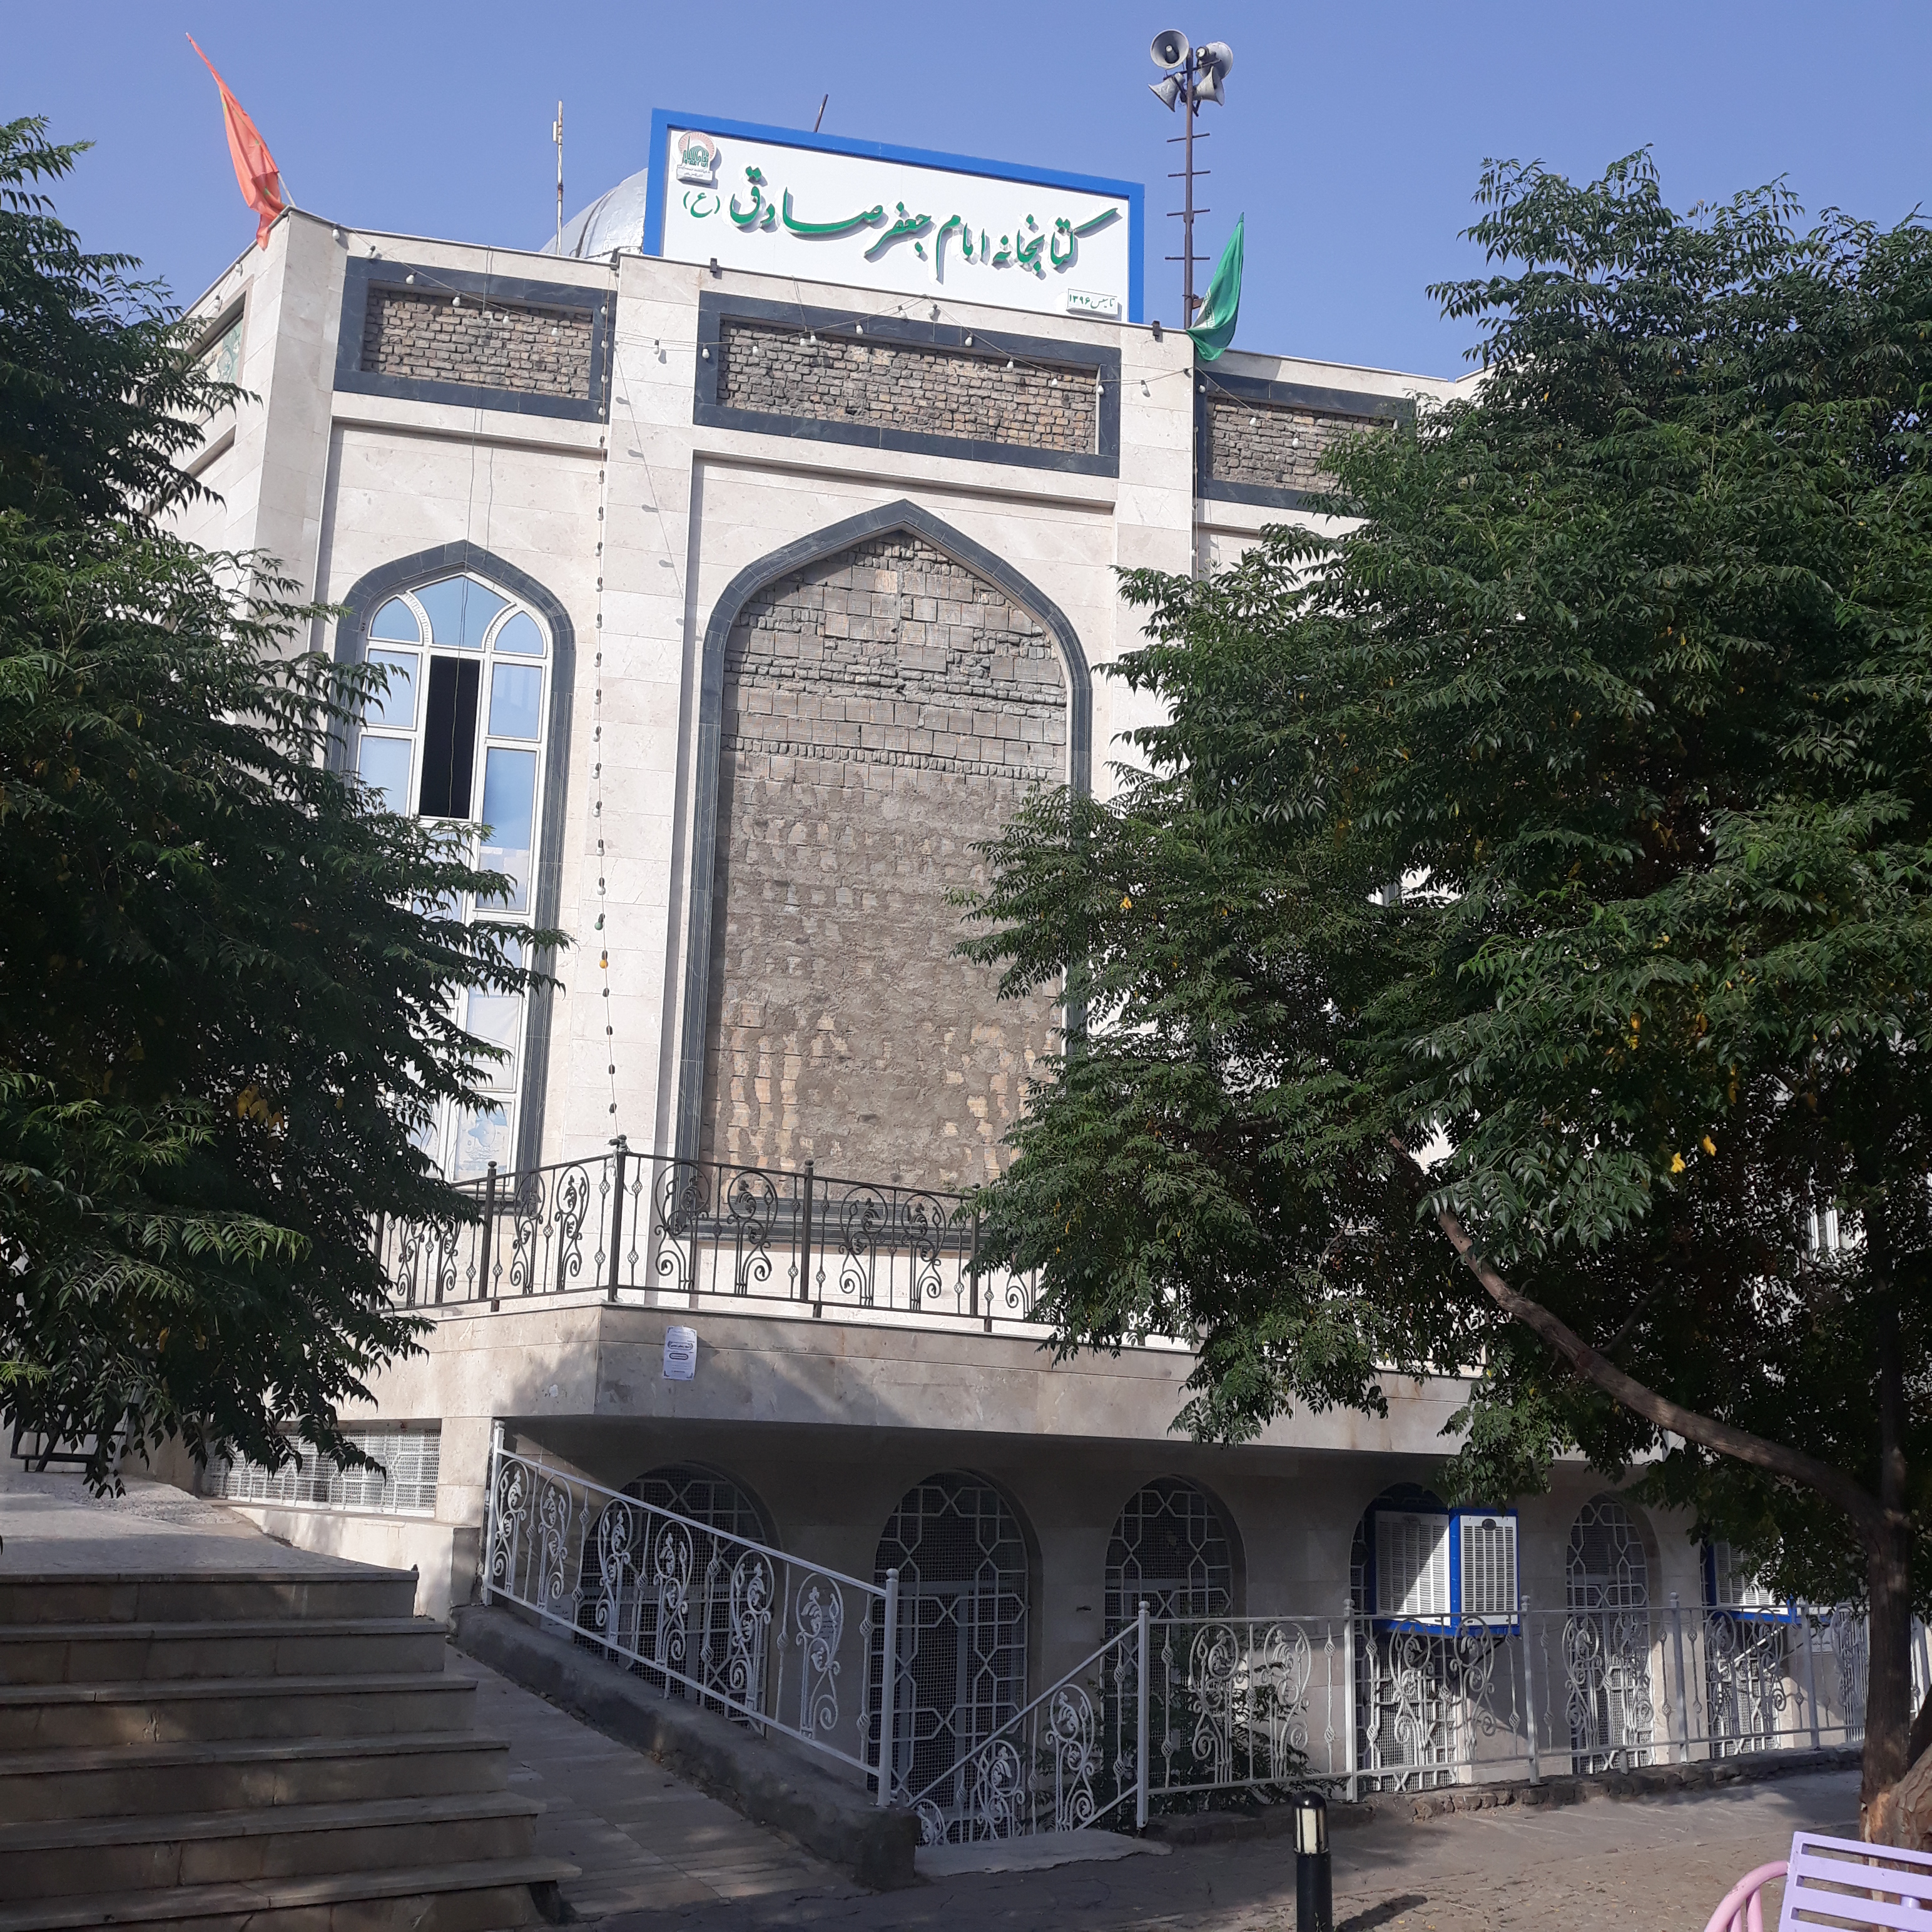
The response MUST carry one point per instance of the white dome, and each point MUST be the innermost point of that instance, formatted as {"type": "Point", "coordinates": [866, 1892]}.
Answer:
{"type": "Point", "coordinates": [615, 220]}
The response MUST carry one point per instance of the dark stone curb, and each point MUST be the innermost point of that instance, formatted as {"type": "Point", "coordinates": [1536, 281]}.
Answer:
{"type": "Point", "coordinates": [1276, 1821]}
{"type": "Point", "coordinates": [840, 1824]}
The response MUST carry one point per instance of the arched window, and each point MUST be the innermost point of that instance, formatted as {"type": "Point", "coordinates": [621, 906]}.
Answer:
{"type": "Point", "coordinates": [459, 735]}
{"type": "Point", "coordinates": [678, 1589]}
{"type": "Point", "coordinates": [1168, 1546]}
{"type": "Point", "coordinates": [1607, 1640]}
{"type": "Point", "coordinates": [961, 1644]}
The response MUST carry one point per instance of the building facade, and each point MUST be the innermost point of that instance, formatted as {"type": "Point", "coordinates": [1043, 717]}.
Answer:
{"type": "Point", "coordinates": [740, 605]}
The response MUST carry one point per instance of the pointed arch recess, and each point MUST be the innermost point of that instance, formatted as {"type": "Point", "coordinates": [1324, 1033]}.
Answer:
{"type": "Point", "coordinates": [817, 548]}
{"type": "Point", "coordinates": [367, 596]}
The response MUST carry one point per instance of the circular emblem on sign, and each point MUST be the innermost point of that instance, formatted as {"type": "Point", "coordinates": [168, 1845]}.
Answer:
{"type": "Point", "coordinates": [697, 159]}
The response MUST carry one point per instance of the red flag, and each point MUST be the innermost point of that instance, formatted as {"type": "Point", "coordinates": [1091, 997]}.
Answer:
{"type": "Point", "coordinates": [254, 166]}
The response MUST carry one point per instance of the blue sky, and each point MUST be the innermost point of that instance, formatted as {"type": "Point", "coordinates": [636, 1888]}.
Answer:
{"type": "Point", "coordinates": [1351, 139]}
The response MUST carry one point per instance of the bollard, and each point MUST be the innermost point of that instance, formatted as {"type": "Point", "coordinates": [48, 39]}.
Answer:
{"type": "Point", "coordinates": [1314, 1878]}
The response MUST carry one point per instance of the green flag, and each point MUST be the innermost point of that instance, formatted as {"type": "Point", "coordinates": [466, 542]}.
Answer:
{"type": "Point", "coordinates": [1221, 307]}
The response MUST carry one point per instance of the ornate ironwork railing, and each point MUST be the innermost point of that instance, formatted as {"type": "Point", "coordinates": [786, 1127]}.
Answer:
{"type": "Point", "coordinates": [695, 1610]}
{"type": "Point", "coordinates": [633, 1225]}
{"type": "Point", "coordinates": [1173, 1710]}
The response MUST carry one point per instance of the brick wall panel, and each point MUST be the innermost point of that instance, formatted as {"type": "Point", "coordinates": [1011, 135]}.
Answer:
{"type": "Point", "coordinates": [426, 338]}
{"type": "Point", "coordinates": [890, 385]}
{"type": "Point", "coordinates": [869, 741]}
{"type": "Point", "coordinates": [1272, 444]}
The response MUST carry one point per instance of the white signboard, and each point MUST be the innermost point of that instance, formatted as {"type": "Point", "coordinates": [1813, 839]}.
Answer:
{"type": "Point", "coordinates": [898, 221]}
{"type": "Point", "coordinates": [680, 1363]}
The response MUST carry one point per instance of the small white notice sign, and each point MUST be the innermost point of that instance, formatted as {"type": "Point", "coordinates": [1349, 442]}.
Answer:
{"type": "Point", "coordinates": [680, 1355]}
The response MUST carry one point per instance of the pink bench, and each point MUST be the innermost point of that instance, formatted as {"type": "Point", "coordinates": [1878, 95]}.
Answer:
{"type": "Point", "coordinates": [1841, 1885]}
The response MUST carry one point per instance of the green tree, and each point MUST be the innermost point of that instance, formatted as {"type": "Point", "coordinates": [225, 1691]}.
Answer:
{"type": "Point", "coordinates": [228, 978]}
{"type": "Point", "coordinates": [1519, 932]}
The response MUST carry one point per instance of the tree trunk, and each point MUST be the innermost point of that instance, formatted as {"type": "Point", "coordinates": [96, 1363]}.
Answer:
{"type": "Point", "coordinates": [1888, 1713]}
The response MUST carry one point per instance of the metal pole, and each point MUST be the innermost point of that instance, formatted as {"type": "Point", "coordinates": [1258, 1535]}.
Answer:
{"type": "Point", "coordinates": [489, 1228]}
{"type": "Point", "coordinates": [1529, 1692]}
{"type": "Point", "coordinates": [805, 1247]}
{"type": "Point", "coordinates": [1811, 1670]}
{"type": "Point", "coordinates": [1141, 1721]}
{"type": "Point", "coordinates": [1348, 1697]}
{"type": "Point", "coordinates": [1187, 203]}
{"type": "Point", "coordinates": [617, 1219]}
{"type": "Point", "coordinates": [1683, 1686]}
{"type": "Point", "coordinates": [489, 1505]}
{"type": "Point", "coordinates": [973, 1273]}
{"type": "Point", "coordinates": [1314, 1868]}
{"type": "Point", "coordinates": [889, 1690]}
{"type": "Point", "coordinates": [557, 134]}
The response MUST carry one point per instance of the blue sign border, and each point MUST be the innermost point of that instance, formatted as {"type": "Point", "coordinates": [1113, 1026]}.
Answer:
{"type": "Point", "coordinates": [658, 183]}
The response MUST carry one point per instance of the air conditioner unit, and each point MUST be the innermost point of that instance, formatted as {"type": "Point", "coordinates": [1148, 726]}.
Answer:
{"type": "Point", "coordinates": [1729, 1591]}
{"type": "Point", "coordinates": [1483, 1586]}
{"type": "Point", "coordinates": [1436, 1570]}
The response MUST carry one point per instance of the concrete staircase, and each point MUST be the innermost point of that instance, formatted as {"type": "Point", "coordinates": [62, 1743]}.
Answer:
{"type": "Point", "coordinates": [277, 1750]}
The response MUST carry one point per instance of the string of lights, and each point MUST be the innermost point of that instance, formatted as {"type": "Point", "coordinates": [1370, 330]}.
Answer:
{"type": "Point", "coordinates": [602, 928]}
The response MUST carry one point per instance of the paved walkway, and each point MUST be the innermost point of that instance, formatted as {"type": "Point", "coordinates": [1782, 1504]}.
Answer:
{"type": "Point", "coordinates": [51, 1523]}
{"type": "Point", "coordinates": [658, 1856]}
{"type": "Point", "coordinates": [650, 1845]}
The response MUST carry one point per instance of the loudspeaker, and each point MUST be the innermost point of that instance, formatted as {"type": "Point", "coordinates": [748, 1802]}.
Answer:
{"type": "Point", "coordinates": [1168, 91]}
{"type": "Point", "coordinates": [1169, 49]}
{"type": "Point", "coordinates": [1218, 55]}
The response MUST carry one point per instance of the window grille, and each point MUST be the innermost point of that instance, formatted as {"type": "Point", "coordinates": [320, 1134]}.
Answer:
{"type": "Point", "coordinates": [1606, 1641]}
{"type": "Point", "coordinates": [1169, 1547]}
{"type": "Point", "coordinates": [409, 1452]}
{"type": "Point", "coordinates": [962, 1635]}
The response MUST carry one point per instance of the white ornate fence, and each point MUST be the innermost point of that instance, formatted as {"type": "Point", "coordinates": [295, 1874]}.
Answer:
{"type": "Point", "coordinates": [733, 1624]}
{"type": "Point", "coordinates": [1171, 1710]}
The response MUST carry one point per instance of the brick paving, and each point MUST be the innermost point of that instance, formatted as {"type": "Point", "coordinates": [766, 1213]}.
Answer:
{"type": "Point", "coordinates": [658, 1856]}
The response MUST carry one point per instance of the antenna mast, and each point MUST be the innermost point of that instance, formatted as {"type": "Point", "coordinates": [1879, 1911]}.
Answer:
{"type": "Point", "coordinates": [1194, 75]}
{"type": "Point", "coordinates": [556, 135]}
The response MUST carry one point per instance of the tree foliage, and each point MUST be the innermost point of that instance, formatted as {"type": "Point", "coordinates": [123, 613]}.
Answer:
{"type": "Point", "coordinates": [229, 979]}
{"type": "Point", "coordinates": [1619, 671]}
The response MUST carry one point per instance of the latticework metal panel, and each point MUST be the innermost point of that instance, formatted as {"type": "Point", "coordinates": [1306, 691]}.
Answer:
{"type": "Point", "coordinates": [960, 1672]}
{"type": "Point", "coordinates": [1168, 1546]}
{"type": "Point", "coordinates": [1606, 1641]}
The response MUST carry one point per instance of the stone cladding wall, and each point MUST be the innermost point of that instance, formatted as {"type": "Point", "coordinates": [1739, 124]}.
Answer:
{"type": "Point", "coordinates": [888, 385]}
{"type": "Point", "coordinates": [427, 338]}
{"type": "Point", "coordinates": [1272, 444]}
{"type": "Point", "coordinates": [883, 711]}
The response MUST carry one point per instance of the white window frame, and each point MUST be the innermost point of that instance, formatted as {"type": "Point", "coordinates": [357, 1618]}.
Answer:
{"type": "Point", "coordinates": [446, 1145]}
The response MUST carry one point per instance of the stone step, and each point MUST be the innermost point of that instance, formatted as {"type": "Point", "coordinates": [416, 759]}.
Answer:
{"type": "Point", "coordinates": [53, 1859]}
{"type": "Point", "coordinates": [192, 1596]}
{"type": "Point", "coordinates": [84, 1653]}
{"type": "Point", "coordinates": [131, 1780]}
{"type": "Point", "coordinates": [52, 1717]}
{"type": "Point", "coordinates": [495, 1896]}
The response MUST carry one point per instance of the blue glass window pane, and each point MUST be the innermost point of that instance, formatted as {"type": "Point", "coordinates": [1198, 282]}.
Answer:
{"type": "Point", "coordinates": [515, 692]}
{"type": "Point", "coordinates": [384, 762]}
{"type": "Point", "coordinates": [480, 1139]}
{"type": "Point", "coordinates": [460, 611]}
{"type": "Point", "coordinates": [396, 706]}
{"type": "Point", "coordinates": [521, 636]}
{"type": "Point", "coordinates": [495, 1019]}
{"type": "Point", "coordinates": [509, 801]}
{"type": "Point", "coordinates": [396, 620]}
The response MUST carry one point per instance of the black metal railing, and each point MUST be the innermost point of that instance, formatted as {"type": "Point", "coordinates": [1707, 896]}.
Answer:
{"type": "Point", "coordinates": [635, 1226]}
